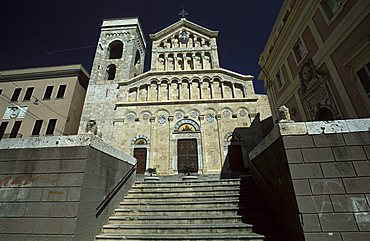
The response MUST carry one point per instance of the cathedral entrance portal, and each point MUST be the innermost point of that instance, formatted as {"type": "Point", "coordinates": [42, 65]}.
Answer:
{"type": "Point", "coordinates": [140, 155]}
{"type": "Point", "coordinates": [187, 147]}
{"type": "Point", "coordinates": [187, 156]}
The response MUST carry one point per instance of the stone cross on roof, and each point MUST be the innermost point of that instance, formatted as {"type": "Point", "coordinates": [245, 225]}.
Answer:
{"type": "Point", "coordinates": [183, 13]}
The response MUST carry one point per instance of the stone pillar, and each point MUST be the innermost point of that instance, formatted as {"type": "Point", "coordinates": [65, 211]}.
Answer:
{"type": "Point", "coordinates": [190, 90]}
{"type": "Point", "coordinates": [165, 62]}
{"type": "Point", "coordinates": [222, 90]}
{"type": "Point", "coordinates": [233, 89]}
{"type": "Point", "coordinates": [147, 92]}
{"type": "Point", "coordinates": [211, 89]}
{"type": "Point", "coordinates": [202, 58]}
{"type": "Point", "coordinates": [170, 147]}
{"type": "Point", "coordinates": [158, 91]}
{"type": "Point", "coordinates": [200, 89]}
{"type": "Point", "coordinates": [137, 93]}
{"type": "Point", "coordinates": [244, 91]}
{"type": "Point", "coordinates": [180, 88]}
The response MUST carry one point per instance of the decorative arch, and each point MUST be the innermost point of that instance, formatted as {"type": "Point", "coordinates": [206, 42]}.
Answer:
{"type": "Point", "coordinates": [115, 49]}
{"type": "Point", "coordinates": [137, 140]}
{"type": "Point", "coordinates": [192, 124]}
{"type": "Point", "coordinates": [111, 72]}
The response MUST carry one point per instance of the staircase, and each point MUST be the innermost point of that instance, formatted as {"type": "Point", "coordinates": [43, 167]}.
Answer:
{"type": "Point", "coordinates": [205, 209]}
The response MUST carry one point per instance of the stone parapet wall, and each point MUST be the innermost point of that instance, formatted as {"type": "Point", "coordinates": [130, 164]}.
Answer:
{"type": "Point", "coordinates": [322, 171]}
{"type": "Point", "coordinates": [50, 187]}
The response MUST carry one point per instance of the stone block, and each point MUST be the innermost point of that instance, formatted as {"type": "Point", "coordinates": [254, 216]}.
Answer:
{"type": "Point", "coordinates": [12, 209]}
{"type": "Point", "coordinates": [314, 204]}
{"type": "Point", "coordinates": [292, 142]}
{"type": "Point", "coordinates": [45, 180]}
{"type": "Point", "coordinates": [294, 156]}
{"type": "Point", "coordinates": [64, 153]}
{"type": "Point", "coordinates": [362, 168]}
{"type": "Point", "coordinates": [299, 171]}
{"type": "Point", "coordinates": [310, 223]}
{"type": "Point", "coordinates": [8, 194]}
{"type": "Point", "coordinates": [68, 226]}
{"type": "Point", "coordinates": [4, 222]}
{"type": "Point", "coordinates": [349, 153]}
{"type": "Point", "coordinates": [322, 237]}
{"type": "Point", "coordinates": [74, 194]}
{"type": "Point", "coordinates": [9, 155]}
{"type": "Point", "coordinates": [21, 225]}
{"type": "Point", "coordinates": [358, 138]}
{"type": "Point", "coordinates": [30, 154]}
{"type": "Point", "coordinates": [367, 151]}
{"type": "Point", "coordinates": [38, 209]}
{"type": "Point", "coordinates": [30, 167]}
{"type": "Point", "coordinates": [363, 221]}
{"type": "Point", "coordinates": [356, 125]}
{"type": "Point", "coordinates": [356, 236]}
{"type": "Point", "coordinates": [67, 166]}
{"type": "Point", "coordinates": [317, 155]}
{"type": "Point", "coordinates": [328, 140]}
{"type": "Point", "coordinates": [64, 209]}
{"type": "Point", "coordinates": [47, 226]}
{"type": "Point", "coordinates": [357, 185]}
{"type": "Point", "coordinates": [54, 194]}
{"type": "Point", "coordinates": [326, 127]}
{"type": "Point", "coordinates": [327, 186]}
{"type": "Point", "coordinates": [338, 222]}
{"type": "Point", "coordinates": [302, 187]}
{"type": "Point", "coordinates": [29, 194]}
{"type": "Point", "coordinates": [70, 179]}
{"type": "Point", "coordinates": [349, 203]}
{"type": "Point", "coordinates": [338, 169]}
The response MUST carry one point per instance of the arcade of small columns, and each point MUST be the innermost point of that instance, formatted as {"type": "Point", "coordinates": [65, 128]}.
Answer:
{"type": "Point", "coordinates": [186, 90]}
{"type": "Point", "coordinates": [184, 61]}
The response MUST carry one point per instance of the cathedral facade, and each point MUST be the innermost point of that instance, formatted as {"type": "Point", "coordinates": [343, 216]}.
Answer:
{"type": "Point", "coordinates": [181, 115]}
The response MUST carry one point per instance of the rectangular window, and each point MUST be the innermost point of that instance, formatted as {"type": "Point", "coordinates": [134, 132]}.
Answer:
{"type": "Point", "coordinates": [3, 129]}
{"type": "Point", "coordinates": [61, 91]}
{"type": "Point", "coordinates": [37, 128]}
{"type": "Point", "coordinates": [16, 94]}
{"type": "Point", "coordinates": [28, 94]}
{"type": "Point", "coordinates": [364, 76]}
{"type": "Point", "coordinates": [48, 91]}
{"type": "Point", "coordinates": [331, 7]}
{"type": "Point", "coordinates": [15, 129]}
{"type": "Point", "coordinates": [51, 127]}
{"type": "Point", "coordinates": [280, 81]}
{"type": "Point", "coordinates": [299, 50]}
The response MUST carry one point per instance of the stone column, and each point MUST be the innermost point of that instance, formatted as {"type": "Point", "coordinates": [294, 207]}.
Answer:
{"type": "Point", "coordinates": [211, 89]}
{"type": "Point", "coordinates": [170, 147]}
{"type": "Point", "coordinates": [202, 58]}
{"type": "Point", "coordinates": [222, 90]}
{"type": "Point", "coordinates": [193, 59]}
{"type": "Point", "coordinates": [147, 92]}
{"type": "Point", "coordinates": [165, 62]}
{"type": "Point", "coordinates": [244, 91]}
{"type": "Point", "coordinates": [179, 86]}
{"type": "Point", "coordinates": [233, 89]}
{"type": "Point", "coordinates": [204, 160]}
{"type": "Point", "coordinates": [158, 91]}
{"type": "Point", "coordinates": [190, 90]}
{"type": "Point", "coordinates": [200, 89]}
{"type": "Point", "coordinates": [137, 94]}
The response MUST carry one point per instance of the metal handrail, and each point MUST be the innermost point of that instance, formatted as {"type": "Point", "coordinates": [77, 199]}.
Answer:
{"type": "Point", "coordinates": [114, 191]}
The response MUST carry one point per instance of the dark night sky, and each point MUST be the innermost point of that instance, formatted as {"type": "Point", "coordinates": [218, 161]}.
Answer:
{"type": "Point", "coordinates": [38, 33]}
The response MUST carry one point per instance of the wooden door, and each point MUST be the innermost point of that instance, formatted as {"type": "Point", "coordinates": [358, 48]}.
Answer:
{"type": "Point", "coordinates": [235, 158]}
{"type": "Point", "coordinates": [140, 155]}
{"type": "Point", "coordinates": [187, 156]}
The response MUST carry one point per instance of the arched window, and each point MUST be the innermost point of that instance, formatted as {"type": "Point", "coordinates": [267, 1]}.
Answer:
{"type": "Point", "coordinates": [324, 114]}
{"type": "Point", "coordinates": [111, 72]}
{"type": "Point", "coordinates": [137, 64]}
{"type": "Point", "coordinates": [115, 49]}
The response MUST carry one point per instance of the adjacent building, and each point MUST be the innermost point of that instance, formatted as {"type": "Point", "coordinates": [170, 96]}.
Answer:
{"type": "Point", "coordinates": [181, 115]}
{"type": "Point", "coordinates": [42, 101]}
{"type": "Point", "coordinates": [317, 60]}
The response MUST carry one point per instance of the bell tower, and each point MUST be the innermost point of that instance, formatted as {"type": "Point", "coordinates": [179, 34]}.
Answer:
{"type": "Point", "coordinates": [119, 56]}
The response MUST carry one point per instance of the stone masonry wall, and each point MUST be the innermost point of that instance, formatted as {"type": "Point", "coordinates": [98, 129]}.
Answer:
{"type": "Point", "coordinates": [51, 193]}
{"type": "Point", "coordinates": [328, 166]}
{"type": "Point", "coordinates": [331, 178]}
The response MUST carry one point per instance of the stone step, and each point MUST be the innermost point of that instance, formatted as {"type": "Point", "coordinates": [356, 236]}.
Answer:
{"type": "Point", "coordinates": [187, 211]}
{"type": "Point", "coordinates": [184, 204]}
{"type": "Point", "coordinates": [198, 237]}
{"type": "Point", "coordinates": [177, 228]}
{"type": "Point", "coordinates": [175, 219]}
{"type": "Point", "coordinates": [219, 189]}
{"type": "Point", "coordinates": [169, 182]}
{"type": "Point", "coordinates": [185, 187]}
